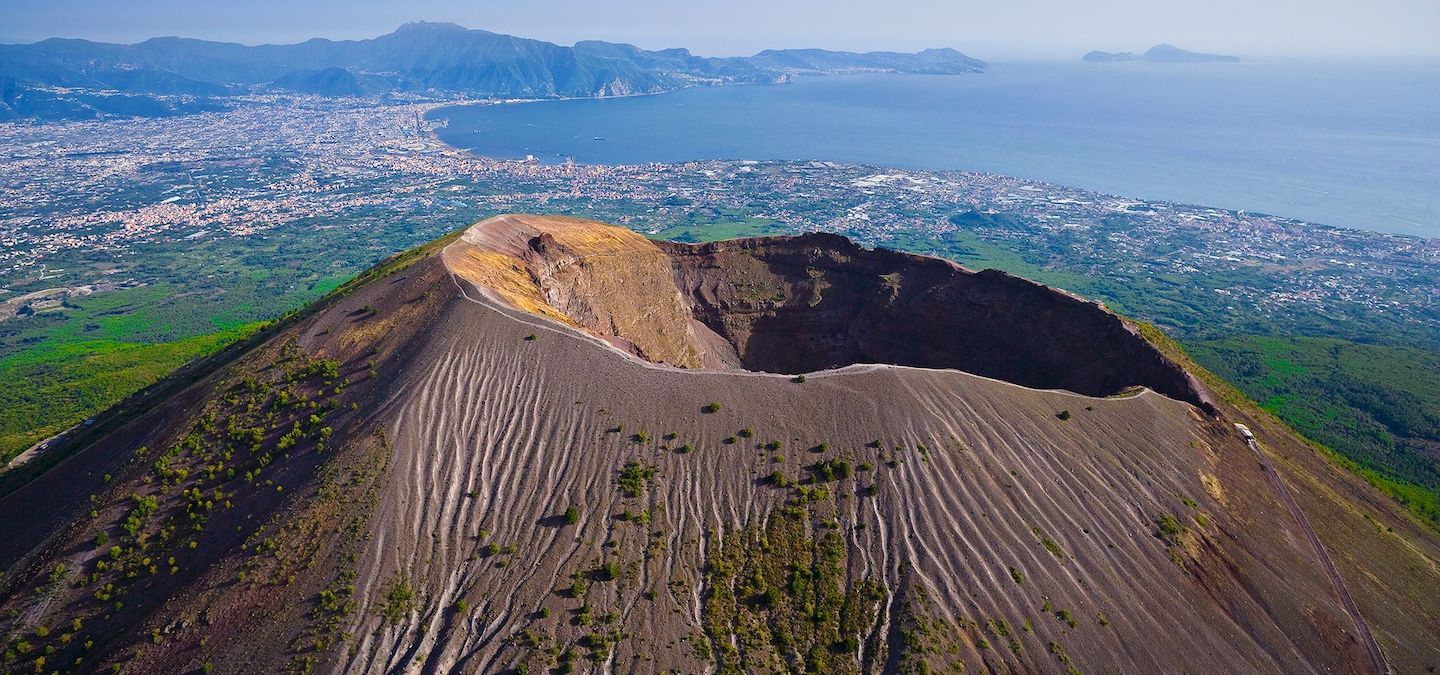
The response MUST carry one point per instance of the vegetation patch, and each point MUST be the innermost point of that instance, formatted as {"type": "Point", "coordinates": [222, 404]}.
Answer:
{"type": "Point", "coordinates": [67, 382]}
{"type": "Point", "coordinates": [1375, 405]}
{"type": "Point", "coordinates": [776, 599]}
{"type": "Point", "coordinates": [1049, 544]}
{"type": "Point", "coordinates": [397, 600]}
{"type": "Point", "coordinates": [635, 477]}
{"type": "Point", "coordinates": [830, 470]}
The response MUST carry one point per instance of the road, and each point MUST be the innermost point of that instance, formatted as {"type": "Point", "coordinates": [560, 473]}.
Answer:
{"type": "Point", "coordinates": [40, 448]}
{"type": "Point", "coordinates": [1361, 628]}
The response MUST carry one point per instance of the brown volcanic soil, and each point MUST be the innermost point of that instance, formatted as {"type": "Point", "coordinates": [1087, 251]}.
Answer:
{"type": "Point", "coordinates": [475, 395]}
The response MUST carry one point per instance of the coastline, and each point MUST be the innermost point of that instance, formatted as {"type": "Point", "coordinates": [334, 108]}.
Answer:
{"type": "Point", "coordinates": [1203, 160]}
{"type": "Point", "coordinates": [432, 127]}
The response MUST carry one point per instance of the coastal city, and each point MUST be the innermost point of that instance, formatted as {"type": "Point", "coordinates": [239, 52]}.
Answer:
{"type": "Point", "coordinates": [350, 169]}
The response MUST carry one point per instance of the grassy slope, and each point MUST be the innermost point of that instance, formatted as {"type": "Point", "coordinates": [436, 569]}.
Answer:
{"type": "Point", "coordinates": [99, 349]}
{"type": "Point", "coordinates": [67, 381]}
{"type": "Point", "coordinates": [1423, 501]}
{"type": "Point", "coordinates": [1375, 405]}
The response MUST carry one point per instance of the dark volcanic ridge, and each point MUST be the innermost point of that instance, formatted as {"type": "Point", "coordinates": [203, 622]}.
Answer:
{"type": "Point", "coordinates": [548, 443]}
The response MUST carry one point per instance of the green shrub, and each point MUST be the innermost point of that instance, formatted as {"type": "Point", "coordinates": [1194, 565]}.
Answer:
{"type": "Point", "coordinates": [1168, 528]}
{"type": "Point", "coordinates": [399, 600]}
{"type": "Point", "coordinates": [634, 477]}
{"type": "Point", "coordinates": [830, 470]}
{"type": "Point", "coordinates": [1049, 544]}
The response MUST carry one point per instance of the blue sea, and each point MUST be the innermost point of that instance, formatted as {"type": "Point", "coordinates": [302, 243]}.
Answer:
{"type": "Point", "coordinates": [1353, 145]}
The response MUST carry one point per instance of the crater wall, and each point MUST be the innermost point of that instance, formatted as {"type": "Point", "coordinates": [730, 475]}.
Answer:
{"type": "Point", "coordinates": [818, 301]}
{"type": "Point", "coordinates": [807, 303]}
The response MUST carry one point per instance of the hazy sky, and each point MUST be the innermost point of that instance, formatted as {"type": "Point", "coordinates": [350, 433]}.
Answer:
{"type": "Point", "coordinates": [988, 29]}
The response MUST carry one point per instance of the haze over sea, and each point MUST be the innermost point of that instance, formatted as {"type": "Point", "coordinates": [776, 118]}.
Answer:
{"type": "Point", "coordinates": [1348, 144]}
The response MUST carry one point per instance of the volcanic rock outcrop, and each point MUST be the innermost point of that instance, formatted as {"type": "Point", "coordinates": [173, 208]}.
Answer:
{"type": "Point", "coordinates": [548, 443]}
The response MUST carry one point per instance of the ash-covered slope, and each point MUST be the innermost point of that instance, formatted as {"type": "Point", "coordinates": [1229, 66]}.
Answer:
{"type": "Point", "coordinates": [460, 464]}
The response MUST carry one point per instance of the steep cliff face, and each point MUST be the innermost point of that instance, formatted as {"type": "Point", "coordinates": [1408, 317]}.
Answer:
{"type": "Point", "coordinates": [609, 281]}
{"type": "Point", "coordinates": [459, 464]}
{"type": "Point", "coordinates": [818, 301]}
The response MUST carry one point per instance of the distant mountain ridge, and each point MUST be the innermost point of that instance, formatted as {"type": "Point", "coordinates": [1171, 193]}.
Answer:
{"type": "Point", "coordinates": [1163, 53]}
{"type": "Point", "coordinates": [419, 58]}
